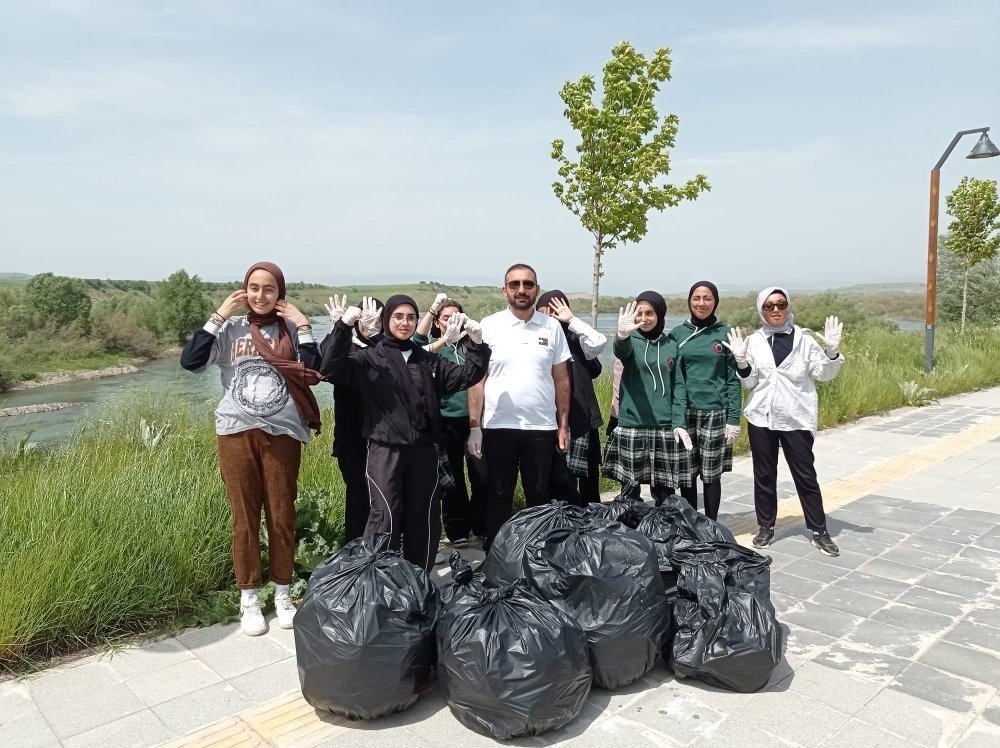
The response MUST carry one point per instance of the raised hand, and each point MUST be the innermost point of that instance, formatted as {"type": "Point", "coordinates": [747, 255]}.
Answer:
{"type": "Point", "coordinates": [455, 328]}
{"type": "Point", "coordinates": [371, 317]}
{"type": "Point", "coordinates": [235, 302]}
{"type": "Point", "coordinates": [560, 310]}
{"type": "Point", "coordinates": [738, 345]}
{"type": "Point", "coordinates": [626, 320]}
{"type": "Point", "coordinates": [474, 330]}
{"type": "Point", "coordinates": [336, 307]}
{"type": "Point", "coordinates": [351, 315]}
{"type": "Point", "coordinates": [833, 330]}
{"type": "Point", "coordinates": [288, 310]}
{"type": "Point", "coordinates": [436, 304]}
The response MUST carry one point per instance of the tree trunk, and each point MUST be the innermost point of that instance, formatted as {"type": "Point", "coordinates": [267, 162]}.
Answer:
{"type": "Point", "coordinates": [596, 285]}
{"type": "Point", "coordinates": [965, 298]}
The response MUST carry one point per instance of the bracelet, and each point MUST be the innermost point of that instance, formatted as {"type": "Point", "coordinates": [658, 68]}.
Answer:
{"type": "Point", "coordinates": [307, 328]}
{"type": "Point", "coordinates": [217, 319]}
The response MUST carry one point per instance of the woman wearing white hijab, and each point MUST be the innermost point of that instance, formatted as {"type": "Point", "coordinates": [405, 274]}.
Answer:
{"type": "Point", "coordinates": [780, 365]}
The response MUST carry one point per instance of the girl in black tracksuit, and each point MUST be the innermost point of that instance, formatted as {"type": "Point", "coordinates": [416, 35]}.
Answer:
{"type": "Point", "coordinates": [399, 385]}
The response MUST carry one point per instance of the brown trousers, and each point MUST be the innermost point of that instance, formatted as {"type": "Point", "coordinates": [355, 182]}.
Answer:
{"type": "Point", "coordinates": [261, 471]}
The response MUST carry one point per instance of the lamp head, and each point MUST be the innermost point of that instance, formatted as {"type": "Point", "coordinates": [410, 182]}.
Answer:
{"type": "Point", "coordinates": [984, 148]}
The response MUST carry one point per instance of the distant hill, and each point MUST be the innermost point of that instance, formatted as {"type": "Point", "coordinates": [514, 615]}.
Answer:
{"type": "Point", "coordinates": [15, 277]}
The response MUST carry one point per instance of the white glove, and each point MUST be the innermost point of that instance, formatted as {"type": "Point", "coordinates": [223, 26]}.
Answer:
{"type": "Point", "coordinates": [732, 433]}
{"type": "Point", "coordinates": [832, 332]}
{"type": "Point", "coordinates": [474, 445]}
{"type": "Point", "coordinates": [474, 330]}
{"type": "Point", "coordinates": [336, 307]}
{"type": "Point", "coordinates": [454, 331]}
{"type": "Point", "coordinates": [738, 345]}
{"type": "Point", "coordinates": [371, 317]}
{"type": "Point", "coordinates": [436, 304]}
{"type": "Point", "coordinates": [626, 320]}
{"type": "Point", "coordinates": [351, 315]}
{"type": "Point", "coordinates": [681, 436]}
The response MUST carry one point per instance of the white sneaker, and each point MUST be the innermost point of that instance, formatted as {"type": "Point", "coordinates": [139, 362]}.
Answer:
{"type": "Point", "coordinates": [251, 619]}
{"type": "Point", "coordinates": [285, 609]}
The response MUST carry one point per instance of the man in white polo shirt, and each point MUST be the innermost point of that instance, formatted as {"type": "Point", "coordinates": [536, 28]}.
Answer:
{"type": "Point", "coordinates": [519, 414]}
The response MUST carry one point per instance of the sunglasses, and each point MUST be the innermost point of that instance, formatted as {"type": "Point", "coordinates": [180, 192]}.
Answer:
{"type": "Point", "coordinates": [771, 306]}
{"type": "Point", "coordinates": [527, 285]}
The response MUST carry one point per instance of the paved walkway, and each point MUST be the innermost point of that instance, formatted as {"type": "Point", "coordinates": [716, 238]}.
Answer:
{"type": "Point", "coordinates": [896, 642]}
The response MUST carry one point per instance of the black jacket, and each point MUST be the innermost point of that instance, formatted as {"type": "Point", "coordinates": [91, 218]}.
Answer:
{"type": "Point", "coordinates": [384, 415]}
{"type": "Point", "coordinates": [584, 410]}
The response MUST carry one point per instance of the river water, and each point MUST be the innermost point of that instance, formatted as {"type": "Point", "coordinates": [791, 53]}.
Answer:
{"type": "Point", "coordinates": [165, 376]}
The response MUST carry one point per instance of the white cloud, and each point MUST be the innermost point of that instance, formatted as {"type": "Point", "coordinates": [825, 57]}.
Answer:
{"type": "Point", "coordinates": [818, 36]}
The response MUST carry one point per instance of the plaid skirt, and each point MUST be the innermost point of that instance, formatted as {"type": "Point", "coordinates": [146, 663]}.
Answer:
{"type": "Point", "coordinates": [576, 456]}
{"type": "Point", "coordinates": [446, 479]}
{"type": "Point", "coordinates": [644, 455]}
{"type": "Point", "coordinates": [711, 456]}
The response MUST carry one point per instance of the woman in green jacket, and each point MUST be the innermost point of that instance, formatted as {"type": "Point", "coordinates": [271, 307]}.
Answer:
{"type": "Point", "coordinates": [712, 387]}
{"type": "Point", "coordinates": [650, 442]}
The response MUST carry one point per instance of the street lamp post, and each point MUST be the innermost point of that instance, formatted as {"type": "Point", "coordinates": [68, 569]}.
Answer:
{"type": "Point", "coordinates": [983, 149]}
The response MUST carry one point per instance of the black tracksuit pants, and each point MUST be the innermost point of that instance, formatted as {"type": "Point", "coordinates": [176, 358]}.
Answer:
{"type": "Point", "coordinates": [507, 452]}
{"type": "Point", "coordinates": [351, 460]}
{"type": "Point", "coordinates": [798, 449]}
{"type": "Point", "coordinates": [461, 507]}
{"type": "Point", "coordinates": [404, 497]}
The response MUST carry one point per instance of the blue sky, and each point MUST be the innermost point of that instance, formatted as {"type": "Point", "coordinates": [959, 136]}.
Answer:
{"type": "Point", "coordinates": [411, 140]}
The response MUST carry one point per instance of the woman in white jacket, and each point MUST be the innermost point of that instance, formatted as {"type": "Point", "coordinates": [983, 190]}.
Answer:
{"type": "Point", "coordinates": [780, 364]}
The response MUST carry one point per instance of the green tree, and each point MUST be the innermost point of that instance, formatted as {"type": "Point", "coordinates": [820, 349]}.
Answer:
{"type": "Point", "coordinates": [980, 284]}
{"type": "Point", "coordinates": [623, 153]}
{"type": "Point", "coordinates": [974, 235]}
{"type": "Point", "coordinates": [60, 299]}
{"type": "Point", "coordinates": [183, 304]}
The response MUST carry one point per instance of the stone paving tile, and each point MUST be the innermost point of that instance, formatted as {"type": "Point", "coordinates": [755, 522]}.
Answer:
{"type": "Point", "coordinates": [862, 546]}
{"type": "Point", "coordinates": [21, 723]}
{"type": "Point", "coordinates": [988, 559]}
{"type": "Point", "coordinates": [973, 635]}
{"type": "Point", "coordinates": [913, 619]}
{"type": "Point", "coordinates": [191, 711]}
{"type": "Point", "coordinates": [675, 714]}
{"type": "Point", "coordinates": [955, 585]}
{"type": "Point", "coordinates": [147, 658]}
{"type": "Point", "coordinates": [847, 600]}
{"type": "Point", "coordinates": [980, 735]}
{"type": "Point", "coordinates": [860, 661]}
{"type": "Point", "coordinates": [792, 716]}
{"type": "Point", "coordinates": [874, 584]}
{"type": "Point", "coordinates": [944, 689]}
{"type": "Point", "coordinates": [833, 688]}
{"type": "Point", "coordinates": [973, 570]}
{"type": "Point", "coordinates": [139, 729]}
{"type": "Point", "coordinates": [881, 637]}
{"type": "Point", "coordinates": [963, 661]}
{"type": "Point", "coordinates": [992, 710]}
{"type": "Point", "coordinates": [878, 534]}
{"type": "Point", "coordinates": [76, 700]}
{"type": "Point", "coordinates": [909, 717]}
{"type": "Point", "coordinates": [268, 682]}
{"type": "Point", "coordinates": [984, 519]}
{"type": "Point", "coordinates": [933, 600]}
{"type": "Point", "coordinates": [900, 572]}
{"type": "Point", "coordinates": [815, 570]}
{"type": "Point", "coordinates": [169, 683]}
{"type": "Point", "coordinates": [955, 521]}
{"type": "Point", "coordinates": [238, 654]}
{"type": "Point", "coordinates": [794, 587]}
{"type": "Point", "coordinates": [822, 619]}
{"type": "Point", "coordinates": [857, 733]}
{"type": "Point", "coordinates": [778, 559]}
{"type": "Point", "coordinates": [935, 546]}
{"type": "Point", "coordinates": [792, 545]}
{"type": "Point", "coordinates": [912, 557]}
{"type": "Point", "coordinates": [935, 510]}
{"type": "Point", "coordinates": [989, 542]}
{"type": "Point", "coordinates": [951, 534]}
{"type": "Point", "coordinates": [878, 500]}
{"type": "Point", "coordinates": [904, 521]}
{"type": "Point", "coordinates": [805, 644]}
{"type": "Point", "coordinates": [733, 733]}
{"type": "Point", "coordinates": [985, 614]}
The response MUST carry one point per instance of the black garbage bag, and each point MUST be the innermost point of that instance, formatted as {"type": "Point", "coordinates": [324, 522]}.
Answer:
{"type": "Point", "coordinates": [364, 633]}
{"type": "Point", "coordinates": [675, 521]}
{"type": "Point", "coordinates": [628, 511]}
{"type": "Point", "coordinates": [505, 562]}
{"type": "Point", "coordinates": [509, 663]}
{"type": "Point", "coordinates": [726, 630]}
{"type": "Point", "coordinates": [604, 576]}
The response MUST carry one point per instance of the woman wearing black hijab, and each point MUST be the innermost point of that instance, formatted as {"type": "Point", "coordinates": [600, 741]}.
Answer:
{"type": "Point", "coordinates": [713, 394]}
{"type": "Point", "coordinates": [399, 385]}
{"type": "Point", "coordinates": [650, 442]}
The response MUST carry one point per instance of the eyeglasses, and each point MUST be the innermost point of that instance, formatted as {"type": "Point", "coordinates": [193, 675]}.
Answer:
{"type": "Point", "coordinates": [526, 285]}
{"type": "Point", "coordinates": [401, 318]}
{"type": "Point", "coordinates": [770, 306]}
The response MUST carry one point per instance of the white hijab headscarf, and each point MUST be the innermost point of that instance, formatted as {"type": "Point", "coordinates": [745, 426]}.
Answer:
{"type": "Point", "coordinates": [784, 327]}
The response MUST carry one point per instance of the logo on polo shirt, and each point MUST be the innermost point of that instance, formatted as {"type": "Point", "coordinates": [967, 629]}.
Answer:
{"type": "Point", "coordinates": [543, 341]}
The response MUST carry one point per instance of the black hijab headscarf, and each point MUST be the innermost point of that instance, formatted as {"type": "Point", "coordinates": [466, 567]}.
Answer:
{"type": "Point", "coordinates": [659, 305]}
{"type": "Point", "coordinates": [711, 319]}
{"type": "Point", "coordinates": [417, 398]}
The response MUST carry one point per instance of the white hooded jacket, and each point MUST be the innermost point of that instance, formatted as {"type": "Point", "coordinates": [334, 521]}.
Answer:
{"type": "Point", "coordinates": [783, 398]}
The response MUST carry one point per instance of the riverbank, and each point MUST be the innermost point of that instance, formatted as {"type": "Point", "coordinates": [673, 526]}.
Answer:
{"type": "Point", "coordinates": [64, 376]}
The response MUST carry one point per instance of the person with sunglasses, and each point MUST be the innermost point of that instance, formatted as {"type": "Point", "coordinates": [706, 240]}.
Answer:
{"type": "Point", "coordinates": [400, 385]}
{"type": "Point", "coordinates": [780, 365]}
{"type": "Point", "coordinates": [519, 414]}
{"type": "Point", "coordinates": [713, 393]}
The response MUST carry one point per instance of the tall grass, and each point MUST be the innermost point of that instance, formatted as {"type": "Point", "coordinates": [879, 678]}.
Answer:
{"type": "Point", "coordinates": [108, 535]}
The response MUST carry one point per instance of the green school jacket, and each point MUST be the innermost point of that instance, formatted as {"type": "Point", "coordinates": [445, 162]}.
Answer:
{"type": "Point", "coordinates": [708, 369]}
{"type": "Point", "coordinates": [651, 396]}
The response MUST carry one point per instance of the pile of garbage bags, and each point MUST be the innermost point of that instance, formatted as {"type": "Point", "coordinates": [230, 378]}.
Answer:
{"type": "Point", "coordinates": [568, 597]}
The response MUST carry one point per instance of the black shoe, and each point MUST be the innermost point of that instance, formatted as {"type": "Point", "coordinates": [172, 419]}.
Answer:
{"type": "Point", "coordinates": [825, 543]}
{"type": "Point", "coordinates": [763, 537]}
